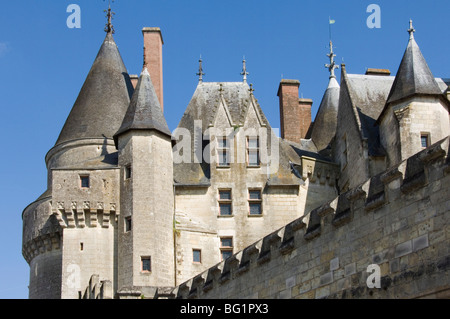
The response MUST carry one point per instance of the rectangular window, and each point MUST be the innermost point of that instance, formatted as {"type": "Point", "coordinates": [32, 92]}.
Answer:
{"type": "Point", "coordinates": [226, 247]}
{"type": "Point", "coordinates": [84, 181]}
{"type": "Point", "coordinates": [128, 172]}
{"type": "Point", "coordinates": [146, 265]}
{"type": "Point", "coordinates": [223, 152]}
{"type": "Point", "coordinates": [225, 202]}
{"type": "Point", "coordinates": [253, 158]}
{"type": "Point", "coordinates": [255, 202]}
{"type": "Point", "coordinates": [197, 256]}
{"type": "Point", "coordinates": [425, 140]}
{"type": "Point", "coordinates": [127, 223]}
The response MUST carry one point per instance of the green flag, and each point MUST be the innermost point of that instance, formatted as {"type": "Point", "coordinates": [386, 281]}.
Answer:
{"type": "Point", "coordinates": [332, 21]}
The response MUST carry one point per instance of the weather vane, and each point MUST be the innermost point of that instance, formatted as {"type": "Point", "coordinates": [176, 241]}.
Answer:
{"type": "Point", "coordinates": [200, 70]}
{"type": "Point", "coordinates": [244, 70]}
{"type": "Point", "coordinates": [109, 27]}
{"type": "Point", "coordinates": [332, 66]}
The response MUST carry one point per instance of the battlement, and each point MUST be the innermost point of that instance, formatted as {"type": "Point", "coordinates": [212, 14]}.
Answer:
{"type": "Point", "coordinates": [396, 220]}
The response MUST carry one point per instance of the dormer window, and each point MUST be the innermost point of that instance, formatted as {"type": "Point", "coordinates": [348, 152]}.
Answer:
{"type": "Point", "coordinates": [253, 158]}
{"type": "Point", "coordinates": [223, 152]}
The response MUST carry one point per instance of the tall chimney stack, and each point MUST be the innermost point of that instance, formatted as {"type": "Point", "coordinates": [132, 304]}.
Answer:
{"type": "Point", "coordinates": [153, 43]}
{"type": "Point", "coordinates": [295, 113]}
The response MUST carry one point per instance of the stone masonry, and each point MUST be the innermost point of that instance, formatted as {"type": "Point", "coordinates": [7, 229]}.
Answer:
{"type": "Point", "coordinates": [397, 220]}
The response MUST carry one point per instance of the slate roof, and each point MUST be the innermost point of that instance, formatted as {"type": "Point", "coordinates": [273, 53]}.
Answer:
{"type": "Point", "coordinates": [368, 94]}
{"type": "Point", "coordinates": [413, 77]}
{"type": "Point", "coordinates": [144, 111]}
{"type": "Point", "coordinates": [103, 100]}
{"type": "Point", "coordinates": [324, 127]}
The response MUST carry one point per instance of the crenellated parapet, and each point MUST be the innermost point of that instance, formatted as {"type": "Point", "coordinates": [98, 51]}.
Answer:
{"type": "Point", "coordinates": [390, 220]}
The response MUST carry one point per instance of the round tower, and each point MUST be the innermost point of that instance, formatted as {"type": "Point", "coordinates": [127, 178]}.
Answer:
{"type": "Point", "coordinates": [69, 232]}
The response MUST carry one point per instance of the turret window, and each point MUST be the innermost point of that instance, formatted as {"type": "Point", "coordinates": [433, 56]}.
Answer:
{"type": "Point", "coordinates": [425, 140]}
{"type": "Point", "coordinates": [197, 256]}
{"type": "Point", "coordinates": [146, 265]}
{"type": "Point", "coordinates": [127, 223]}
{"type": "Point", "coordinates": [128, 172]}
{"type": "Point", "coordinates": [84, 181]}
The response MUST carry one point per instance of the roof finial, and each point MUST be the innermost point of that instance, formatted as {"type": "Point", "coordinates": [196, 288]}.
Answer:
{"type": "Point", "coordinates": [332, 66]}
{"type": "Point", "coordinates": [411, 30]}
{"type": "Point", "coordinates": [200, 70]}
{"type": "Point", "coordinates": [244, 70]}
{"type": "Point", "coordinates": [251, 90]}
{"type": "Point", "coordinates": [109, 27]}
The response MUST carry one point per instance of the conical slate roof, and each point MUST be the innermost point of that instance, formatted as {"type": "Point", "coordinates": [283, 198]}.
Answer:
{"type": "Point", "coordinates": [144, 111]}
{"type": "Point", "coordinates": [413, 76]}
{"type": "Point", "coordinates": [325, 122]}
{"type": "Point", "coordinates": [103, 100]}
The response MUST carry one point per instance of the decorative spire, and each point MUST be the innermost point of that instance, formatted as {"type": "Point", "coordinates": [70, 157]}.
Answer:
{"type": "Point", "coordinates": [109, 27]}
{"type": "Point", "coordinates": [200, 70]}
{"type": "Point", "coordinates": [411, 30]}
{"type": "Point", "coordinates": [244, 70]}
{"type": "Point", "coordinates": [332, 66]}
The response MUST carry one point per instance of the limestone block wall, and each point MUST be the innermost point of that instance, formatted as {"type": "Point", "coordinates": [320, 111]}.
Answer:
{"type": "Point", "coordinates": [402, 128]}
{"type": "Point", "coordinates": [397, 220]}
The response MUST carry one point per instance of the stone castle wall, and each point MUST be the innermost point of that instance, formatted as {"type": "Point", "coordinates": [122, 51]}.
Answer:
{"type": "Point", "coordinates": [397, 220]}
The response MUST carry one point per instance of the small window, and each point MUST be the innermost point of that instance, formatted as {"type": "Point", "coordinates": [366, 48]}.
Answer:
{"type": "Point", "coordinates": [425, 140]}
{"type": "Point", "coordinates": [146, 265]}
{"type": "Point", "coordinates": [84, 181]}
{"type": "Point", "coordinates": [128, 172]}
{"type": "Point", "coordinates": [197, 256]}
{"type": "Point", "coordinates": [253, 158]}
{"type": "Point", "coordinates": [225, 203]}
{"type": "Point", "coordinates": [226, 247]}
{"type": "Point", "coordinates": [255, 202]}
{"type": "Point", "coordinates": [81, 246]}
{"type": "Point", "coordinates": [223, 152]}
{"type": "Point", "coordinates": [344, 154]}
{"type": "Point", "coordinates": [127, 223]}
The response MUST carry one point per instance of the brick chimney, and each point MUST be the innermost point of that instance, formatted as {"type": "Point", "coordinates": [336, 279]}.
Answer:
{"type": "Point", "coordinates": [134, 79]}
{"type": "Point", "coordinates": [295, 113]}
{"type": "Point", "coordinates": [153, 43]}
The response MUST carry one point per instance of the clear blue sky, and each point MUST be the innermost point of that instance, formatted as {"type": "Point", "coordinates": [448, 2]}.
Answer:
{"type": "Point", "coordinates": [43, 65]}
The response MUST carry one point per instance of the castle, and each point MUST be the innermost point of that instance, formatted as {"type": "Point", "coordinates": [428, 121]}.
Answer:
{"type": "Point", "coordinates": [132, 209]}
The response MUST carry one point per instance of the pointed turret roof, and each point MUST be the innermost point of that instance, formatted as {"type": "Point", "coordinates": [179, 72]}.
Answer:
{"type": "Point", "coordinates": [144, 111]}
{"type": "Point", "coordinates": [103, 99]}
{"type": "Point", "coordinates": [324, 127]}
{"type": "Point", "coordinates": [414, 75]}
